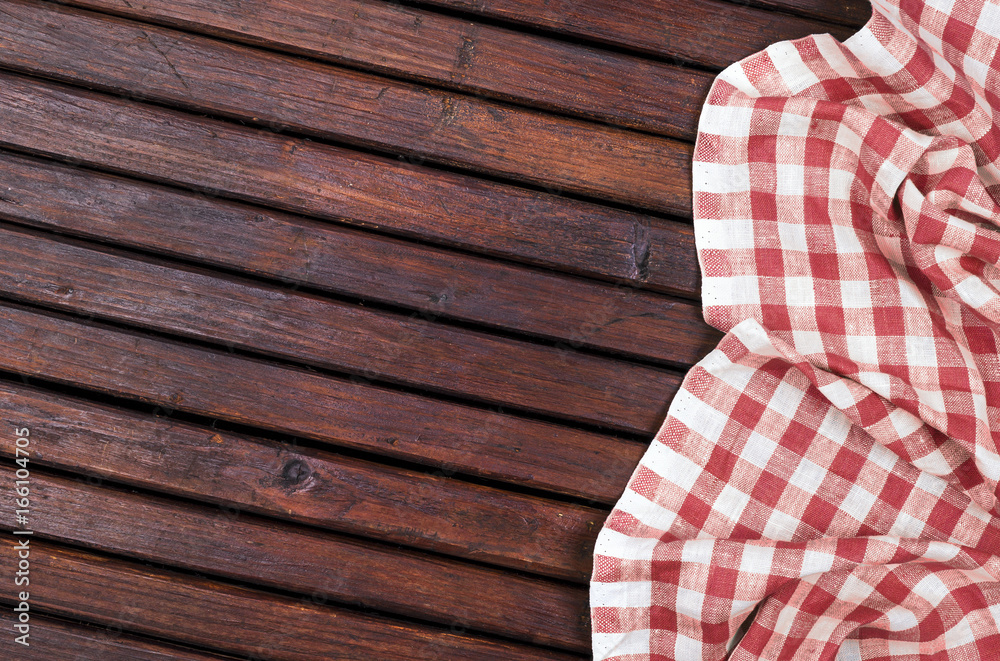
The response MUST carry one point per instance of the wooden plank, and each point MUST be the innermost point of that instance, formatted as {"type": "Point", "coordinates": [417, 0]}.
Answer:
{"type": "Point", "coordinates": [309, 486]}
{"type": "Point", "coordinates": [308, 329]}
{"type": "Point", "coordinates": [673, 30]}
{"type": "Point", "coordinates": [321, 567]}
{"type": "Point", "coordinates": [338, 184]}
{"type": "Point", "coordinates": [450, 52]}
{"type": "Point", "coordinates": [272, 90]}
{"type": "Point", "coordinates": [51, 638]}
{"type": "Point", "coordinates": [854, 13]}
{"type": "Point", "coordinates": [240, 473]}
{"type": "Point", "coordinates": [342, 260]}
{"type": "Point", "coordinates": [206, 613]}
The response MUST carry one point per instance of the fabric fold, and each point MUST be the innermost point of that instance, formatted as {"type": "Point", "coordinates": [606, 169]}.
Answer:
{"type": "Point", "coordinates": [825, 483]}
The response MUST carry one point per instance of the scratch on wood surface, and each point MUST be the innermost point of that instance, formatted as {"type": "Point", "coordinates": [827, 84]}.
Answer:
{"type": "Point", "coordinates": [640, 251]}
{"type": "Point", "coordinates": [167, 60]}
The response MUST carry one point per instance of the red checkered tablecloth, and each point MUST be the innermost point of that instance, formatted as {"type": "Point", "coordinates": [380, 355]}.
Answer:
{"type": "Point", "coordinates": [825, 484]}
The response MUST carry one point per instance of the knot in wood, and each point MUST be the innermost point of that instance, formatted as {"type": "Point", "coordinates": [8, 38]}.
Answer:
{"type": "Point", "coordinates": [295, 472]}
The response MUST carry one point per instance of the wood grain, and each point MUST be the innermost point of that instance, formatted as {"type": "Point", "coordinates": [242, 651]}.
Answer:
{"type": "Point", "coordinates": [327, 102]}
{"type": "Point", "coordinates": [322, 333]}
{"type": "Point", "coordinates": [52, 638]}
{"type": "Point", "coordinates": [321, 567]}
{"type": "Point", "coordinates": [449, 52]}
{"type": "Point", "coordinates": [672, 30]}
{"type": "Point", "coordinates": [854, 13]}
{"type": "Point", "coordinates": [340, 260]}
{"type": "Point", "coordinates": [238, 474]}
{"type": "Point", "coordinates": [337, 184]}
{"type": "Point", "coordinates": [233, 619]}
{"type": "Point", "coordinates": [356, 485]}
{"type": "Point", "coordinates": [501, 447]}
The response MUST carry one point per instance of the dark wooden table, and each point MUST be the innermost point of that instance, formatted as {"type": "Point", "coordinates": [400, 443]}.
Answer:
{"type": "Point", "coordinates": [338, 327]}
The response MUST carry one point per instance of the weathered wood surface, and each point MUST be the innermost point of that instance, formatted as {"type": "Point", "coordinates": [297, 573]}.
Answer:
{"type": "Point", "coordinates": [338, 104]}
{"type": "Point", "coordinates": [394, 39]}
{"type": "Point", "coordinates": [433, 282]}
{"type": "Point", "coordinates": [227, 617]}
{"type": "Point", "coordinates": [427, 511]}
{"type": "Point", "coordinates": [354, 350]}
{"type": "Point", "coordinates": [333, 183]}
{"type": "Point", "coordinates": [853, 13]}
{"type": "Point", "coordinates": [677, 31]}
{"type": "Point", "coordinates": [324, 568]}
{"type": "Point", "coordinates": [54, 638]}
{"type": "Point", "coordinates": [310, 330]}
{"type": "Point", "coordinates": [289, 400]}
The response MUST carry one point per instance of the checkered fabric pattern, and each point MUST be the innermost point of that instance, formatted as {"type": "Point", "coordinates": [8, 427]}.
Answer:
{"type": "Point", "coordinates": [825, 484]}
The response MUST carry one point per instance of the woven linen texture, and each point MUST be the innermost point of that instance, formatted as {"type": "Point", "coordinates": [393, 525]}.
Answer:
{"type": "Point", "coordinates": [827, 477]}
